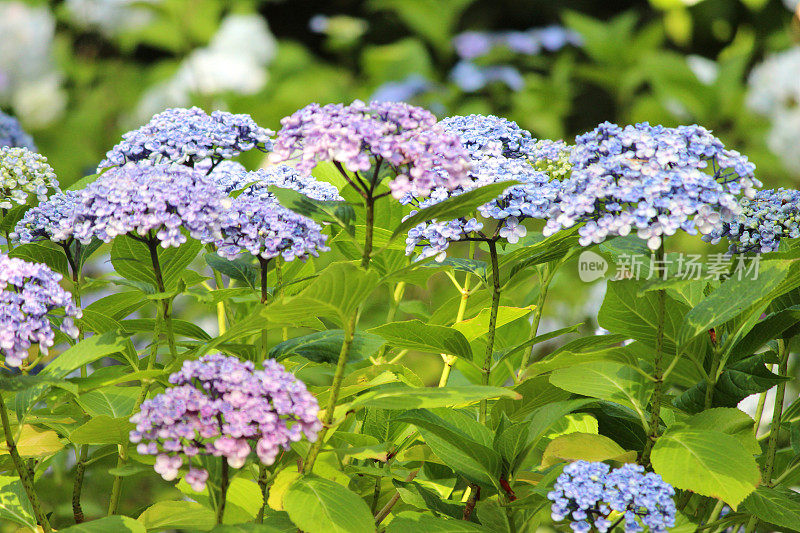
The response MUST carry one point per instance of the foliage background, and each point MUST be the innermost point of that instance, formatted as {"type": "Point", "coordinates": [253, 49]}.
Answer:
{"type": "Point", "coordinates": [103, 67]}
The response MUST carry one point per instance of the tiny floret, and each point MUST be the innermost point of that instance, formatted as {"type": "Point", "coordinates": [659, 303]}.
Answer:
{"type": "Point", "coordinates": [24, 174]}
{"type": "Point", "coordinates": [48, 219]}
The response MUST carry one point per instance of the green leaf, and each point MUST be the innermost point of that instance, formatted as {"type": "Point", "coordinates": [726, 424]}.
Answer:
{"type": "Point", "coordinates": [415, 494]}
{"type": "Point", "coordinates": [422, 337]}
{"type": "Point", "coordinates": [478, 326]}
{"type": "Point", "coordinates": [584, 447]}
{"type": "Point", "coordinates": [771, 327]}
{"type": "Point", "coordinates": [241, 269]}
{"type": "Point", "coordinates": [116, 402]}
{"type": "Point", "coordinates": [426, 18]}
{"type": "Point", "coordinates": [131, 260]}
{"type": "Point", "coordinates": [324, 346]}
{"type": "Point", "coordinates": [708, 462]}
{"type": "Point", "coordinates": [117, 524]}
{"type": "Point", "coordinates": [336, 293]}
{"type": "Point", "coordinates": [180, 327]}
{"type": "Point", "coordinates": [317, 505]}
{"type": "Point", "coordinates": [85, 352]}
{"type": "Point", "coordinates": [119, 305]}
{"type": "Point", "coordinates": [727, 420]}
{"type": "Point", "coordinates": [103, 429]}
{"type": "Point", "coordinates": [536, 392]}
{"type": "Point", "coordinates": [429, 397]}
{"type": "Point", "coordinates": [177, 515]}
{"type": "Point", "coordinates": [775, 506]}
{"type": "Point", "coordinates": [14, 504]}
{"type": "Point", "coordinates": [412, 521]}
{"type": "Point", "coordinates": [455, 206]}
{"type": "Point", "coordinates": [322, 211]}
{"type": "Point", "coordinates": [460, 441]}
{"type": "Point", "coordinates": [606, 381]}
{"type": "Point", "coordinates": [39, 253]}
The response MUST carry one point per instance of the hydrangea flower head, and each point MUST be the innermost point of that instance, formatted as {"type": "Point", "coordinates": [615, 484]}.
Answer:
{"type": "Point", "coordinates": [256, 183]}
{"type": "Point", "coordinates": [766, 219]}
{"type": "Point", "coordinates": [48, 219]}
{"type": "Point", "coordinates": [12, 134]}
{"type": "Point", "coordinates": [262, 227]}
{"type": "Point", "coordinates": [140, 199]}
{"type": "Point", "coordinates": [652, 180]}
{"type": "Point", "coordinates": [23, 174]}
{"type": "Point", "coordinates": [500, 151]}
{"type": "Point", "coordinates": [30, 295]}
{"type": "Point", "coordinates": [361, 136]}
{"type": "Point", "coordinates": [222, 407]}
{"type": "Point", "coordinates": [586, 494]}
{"type": "Point", "coordinates": [188, 136]}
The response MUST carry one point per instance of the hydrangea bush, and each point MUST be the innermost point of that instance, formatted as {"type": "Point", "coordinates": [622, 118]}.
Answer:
{"type": "Point", "coordinates": [249, 348]}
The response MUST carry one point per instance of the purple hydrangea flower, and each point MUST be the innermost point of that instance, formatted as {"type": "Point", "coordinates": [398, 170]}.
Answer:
{"type": "Point", "coordinates": [29, 296]}
{"type": "Point", "coordinates": [359, 135]}
{"type": "Point", "coordinates": [262, 227]}
{"type": "Point", "coordinates": [471, 45]}
{"type": "Point", "coordinates": [140, 199]}
{"type": "Point", "coordinates": [12, 134]}
{"type": "Point", "coordinates": [48, 219]}
{"type": "Point", "coordinates": [188, 136]}
{"type": "Point", "coordinates": [586, 494]}
{"type": "Point", "coordinates": [256, 183]}
{"type": "Point", "coordinates": [470, 77]}
{"type": "Point", "coordinates": [220, 406]}
{"type": "Point", "coordinates": [500, 151]}
{"type": "Point", "coordinates": [766, 219]}
{"type": "Point", "coordinates": [401, 91]}
{"type": "Point", "coordinates": [651, 179]}
{"type": "Point", "coordinates": [23, 174]}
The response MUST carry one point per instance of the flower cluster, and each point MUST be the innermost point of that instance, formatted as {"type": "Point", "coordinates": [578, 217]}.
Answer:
{"type": "Point", "coordinates": [12, 134]}
{"type": "Point", "coordinates": [500, 151]}
{"type": "Point", "coordinates": [139, 199]}
{"type": "Point", "coordinates": [187, 136]}
{"type": "Point", "coordinates": [232, 178]}
{"type": "Point", "coordinates": [475, 44]}
{"type": "Point", "coordinates": [47, 219]}
{"type": "Point", "coordinates": [217, 406]}
{"type": "Point", "coordinates": [24, 173]}
{"type": "Point", "coordinates": [775, 93]}
{"type": "Point", "coordinates": [587, 493]}
{"type": "Point", "coordinates": [764, 221]}
{"type": "Point", "coordinates": [651, 179]}
{"type": "Point", "coordinates": [29, 295]}
{"type": "Point", "coordinates": [360, 136]}
{"type": "Point", "coordinates": [262, 227]}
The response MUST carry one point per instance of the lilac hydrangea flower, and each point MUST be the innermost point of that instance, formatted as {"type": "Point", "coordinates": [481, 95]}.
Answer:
{"type": "Point", "coordinates": [220, 406]}
{"type": "Point", "coordinates": [23, 174]}
{"type": "Point", "coordinates": [188, 136]}
{"type": "Point", "coordinates": [140, 199]}
{"type": "Point", "coordinates": [653, 180]}
{"type": "Point", "coordinates": [30, 295]}
{"type": "Point", "coordinates": [471, 45]}
{"type": "Point", "coordinates": [766, 219]}
{"type": "Point", "coordinates": [256, 183]}
{"type": "Point", "coordinates": [47, 220]}
{"type": "Point", "coordinates": [359, 136]}
{"type": "Point", "coordinates": [500, 151]}
{"type": "Point", "coordinates": [403, 90]}
{"type": "Point", "coordinates": [587, 493]}
{"type": "Point", "coordinates": [262, 227]}
{"type": "Point", "coordinates": [12, 134]}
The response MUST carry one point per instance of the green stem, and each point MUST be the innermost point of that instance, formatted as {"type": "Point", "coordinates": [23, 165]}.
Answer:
{"type": "Point", "coordinates": [369, 204]}
{"type": "Point", "coordinates": [25, 475]}
{"type": "Point", "coordinates": [264, 297]}
{"type": "Point", "coordinates": [394, 304]}
{"type": "Point", "coordinates": [658, 376]}
{"type": "Point", "coordinates": [762, 400]}
{"type": "Point", "coordinates": [450, 360]}
{"type": "Point", "coordinates": [546, 279]}
{"type": "Point", "coordinates": [264, 480]}
{"type": "Point", "coordinates": [713, 375]}
{"type": "Point", "coordinates": [487, 360]}
{"type": "Point", "coordinates": [223, 489]}
{"type": "Point", "coordinates": [279, 292]}
{"type": "Point", "coordinates": [166, 303]}
{"type": "Point", "coordinates": [777, 413]}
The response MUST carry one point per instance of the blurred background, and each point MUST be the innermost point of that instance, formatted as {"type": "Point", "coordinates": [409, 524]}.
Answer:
{"type": "Point", "coordinates": [78, 73]}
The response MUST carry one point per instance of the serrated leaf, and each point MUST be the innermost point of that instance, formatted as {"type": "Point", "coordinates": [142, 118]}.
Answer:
{"type": "Point", "coordinates": [39, 253]}
{"type": "Point", "coordinates": [324, 346]}
{"type": "Point", "coordinates": [35, 442]}
{"type": "Point", "coordinates": [85, 352]}
{"type": "Point", "coordinates": [412, 521]}
{"type": "Point", "coordinates": [322, 211]}
{"type": "Point", "coordinates": [14, 504]}
{"type": "Point", "coordinates": [241, 269]}
{"type": "Point", "coordinates": [317, 505]}
{"type": "Point", "coordinates": [429, 397]}
{"type": "Point", "coordinates": [115, 402]}
{"type": "Point", "coordinates": [478, 326]}
{"type": "Point", "coordinates": [103, 429]}
{"type": "Point", "coordinates": [422, 337]}
{"type": "Point", "coordinates": [776, 506]}
{"type": "Point", "coordinates": [584, 447]}
{"type": "Point", "coordinates": [177, 515]}
{"type": "Point", "coordinates": [117, 524]}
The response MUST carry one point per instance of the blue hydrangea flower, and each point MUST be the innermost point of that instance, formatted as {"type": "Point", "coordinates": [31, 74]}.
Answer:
{"type": "Point", "coordinates": [222, 407]}
{"type": "Point", "coordinates": [30, 296]}
{"type": "Point", "coordinates": [262, 227]}
{"type": "Point", "coordinates": [587, 493]}
{"type": "Point", "coordinates": [401, 91]}
{"type": "Point", "coordinates": [500, 151]}
{"type": "Point", "coordinates": [48, 219]}
{"type": "Point", "coordinates": [766, 219]}
{"type": "Point", "coordinates": [653, 180]}
{"type": "Point", "coordinates": [140, 199]}
{"type": "Point", "coordinates": [12, 134]}
{"type": "Point", "coordinates": [237, 178]}
{"type": "Point", "coordinates": [188, 136]}
{"type": "Point", "coordinates": [24, 174]}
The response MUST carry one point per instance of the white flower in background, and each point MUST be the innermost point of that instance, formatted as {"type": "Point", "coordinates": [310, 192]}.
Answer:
{"type": "Point", "coordinates": [791, 4]}
{"type": "Point", "coordinates": [110, 17]}
{"type": "Point", "coordinates": [775, 92]}
{"type": "Point", "coordinates": [234, 61]}
{"type": "Point", "coordinates": [705, 69]}
{"type": "Point", "coordinates": [27, 69]}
